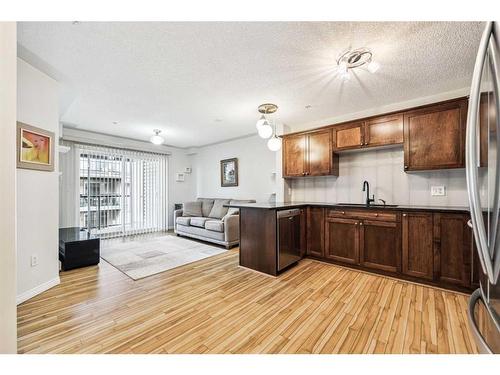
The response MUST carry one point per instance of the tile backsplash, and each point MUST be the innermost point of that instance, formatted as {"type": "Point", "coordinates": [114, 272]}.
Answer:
{"type": "Point", "coordinates": [383, 169]}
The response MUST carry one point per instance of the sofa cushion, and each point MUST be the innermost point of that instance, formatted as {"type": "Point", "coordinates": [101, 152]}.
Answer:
{"type": "Point", "coordinates": [191, 209]}
{"type": "Point", "coordinates": [234, 210]}
{"type": "Point", "coordinates": [200, 233]}
{"type": "Point", "coordinates": [198, 221]}
{"type": "Point", "coordinates": [206, 205]}
{"type": "Point", "coordinates": [218, 210]}
{"type": "Point", "coordinates": [183, 220]}
{"type": "Point", "coordinates": [215, 225]}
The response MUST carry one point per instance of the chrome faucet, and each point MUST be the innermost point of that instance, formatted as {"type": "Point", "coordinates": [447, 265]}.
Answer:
{"type": "Point", "coordinates": [366, 187]}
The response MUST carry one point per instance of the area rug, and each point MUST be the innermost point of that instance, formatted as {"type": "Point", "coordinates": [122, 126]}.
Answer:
{"type": "Point", "coordinates": [146, 257]}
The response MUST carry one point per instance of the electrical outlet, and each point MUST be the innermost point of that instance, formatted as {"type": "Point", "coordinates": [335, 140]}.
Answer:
{"type": "Point", "coordinates": [438, 190]}
{"type": "Point", "coordinates": [34, 260]}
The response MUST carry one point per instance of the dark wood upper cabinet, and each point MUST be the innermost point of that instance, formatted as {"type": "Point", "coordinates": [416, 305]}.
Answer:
{"type": "Point", "coordinates": [417, 245]}
{"type": "Point", "coordinates": [380, 245]}
{"type": "Point", "coordinates": [384, 131]}
{"type": "Point", "coordinates": [348, 136]}
{"type": "Point", "coordinates": [309, 154]}
{"type": "Point", "coordinates": [294, 155]}
{"type": "Point", "coordinates": [452, 255]}
{"type": "Point", "coordinates": [316, 231]}
{"type": "Point", "coordinates": [342, 240]}
{"type": "Point", "coordinates": [320, 158]}
{"type": "Point", "coordinates": [434, 136]}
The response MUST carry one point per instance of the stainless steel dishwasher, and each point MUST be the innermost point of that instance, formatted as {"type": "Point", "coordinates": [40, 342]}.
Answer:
{"type": "Point", "coordinates": [288, 225]}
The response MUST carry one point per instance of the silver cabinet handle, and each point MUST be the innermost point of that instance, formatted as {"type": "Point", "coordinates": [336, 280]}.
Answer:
{"type": "Point", "coordinates": [471, 157]}
{"type": "Point", "coordinates": [481, 343]}
{"type": "Point", "coordinates": [469, 223]}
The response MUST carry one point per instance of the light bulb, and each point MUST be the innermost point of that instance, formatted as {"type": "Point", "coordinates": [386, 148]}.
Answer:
{"type": "Point", "coordinates": [345, 76]}
{"type": "Point", "coordinates": [274, 144]}
{"type": "Point", "coordinates": [265, 130]}
{"type": "Point", "coordinates": [373, 66]}
{"type": "Point", "coordinates": [261, 121]}
{"type": "Point", "coordinates": [342, 68]}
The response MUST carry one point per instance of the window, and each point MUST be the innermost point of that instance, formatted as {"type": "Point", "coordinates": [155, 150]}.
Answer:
{"type": "Point", "coordinates": [121, 192]}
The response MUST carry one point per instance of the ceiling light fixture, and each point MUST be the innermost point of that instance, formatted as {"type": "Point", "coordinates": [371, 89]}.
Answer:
{"type": "Point", "coordinates": [354, 59]}
{"type": "Point", "coordinates": [263, 127]}
{"type": "Point", "coordinates": [157, 139]}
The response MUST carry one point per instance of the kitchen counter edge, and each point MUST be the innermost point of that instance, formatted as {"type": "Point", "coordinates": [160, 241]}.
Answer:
{"type": "Point", "coordinates": [289, 205]}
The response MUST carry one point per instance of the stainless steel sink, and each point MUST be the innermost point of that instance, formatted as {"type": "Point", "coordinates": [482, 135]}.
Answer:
{"type": "Point", "coordinates": [364, 205]}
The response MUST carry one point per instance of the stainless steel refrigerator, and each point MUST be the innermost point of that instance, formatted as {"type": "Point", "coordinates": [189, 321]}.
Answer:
{"type": "Point", "coordinates": [483, 185]}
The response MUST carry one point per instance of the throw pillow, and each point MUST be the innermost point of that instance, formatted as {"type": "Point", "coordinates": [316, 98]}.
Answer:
{"type": "Point", "coordinates": [191, 209]}
{"type": "Point", "coordinates": [218, 210]}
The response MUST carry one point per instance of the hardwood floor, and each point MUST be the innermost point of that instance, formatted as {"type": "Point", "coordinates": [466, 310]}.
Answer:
{"type": "Point", "coordinates": [214, 306]}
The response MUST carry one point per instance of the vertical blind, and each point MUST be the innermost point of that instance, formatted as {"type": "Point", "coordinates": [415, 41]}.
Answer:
{"type": "Point", "coordinates": [122, 192]}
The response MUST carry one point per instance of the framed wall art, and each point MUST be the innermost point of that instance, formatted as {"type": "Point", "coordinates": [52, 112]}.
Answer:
{"type": "Point", "coordinates": [35, 148]}
{"type": "Point", "coordinates": [229, 172]}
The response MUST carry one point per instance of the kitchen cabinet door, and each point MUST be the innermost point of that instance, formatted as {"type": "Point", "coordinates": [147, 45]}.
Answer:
{"type": "Point", "coordinates": [417, 245]}
{"type": "Point", "coordinates": [452, 263]}
{"type": "Point", "coordinates": [434, 136]}
{"type": "Point", "coordinates": [320, 158]}
{"type": "Point", "coordinates": [384, 131]}
{"type": "Point", "coordinates": [294, 155]}
{"type": "Point", "coordinates": [316, 231]}
{"type": "Point", "coordinates": [380, 246]}
{"type": "Point", "coordinates": [342, 240]}
{"type": "Point", "coordinates": [348, 136]}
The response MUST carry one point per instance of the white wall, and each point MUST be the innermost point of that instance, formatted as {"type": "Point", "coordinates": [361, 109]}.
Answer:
{"type": "Point", "coordinates": [8, 318]}
{"type": "Point", "coordinates": [255, 167]}
{"type": "Point", "coordinates": [37, 191]}
{"type": "Point", "coordinates": [383, 169]}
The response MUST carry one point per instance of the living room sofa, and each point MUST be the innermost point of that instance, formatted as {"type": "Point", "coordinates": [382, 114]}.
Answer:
{"type": "Point", "coordinates": [207, 219]}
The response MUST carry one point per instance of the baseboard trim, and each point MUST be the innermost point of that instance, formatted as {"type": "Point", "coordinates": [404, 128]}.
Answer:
{"type": "Point", "coordinates": [37, 290]}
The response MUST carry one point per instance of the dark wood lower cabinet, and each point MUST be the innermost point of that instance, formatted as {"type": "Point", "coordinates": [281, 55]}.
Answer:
{"type": "Point", "coordinates": [316, 231]}
{"type": "Point", "coordinates": [425, 246]}
{"type": "Point", "coordinates": [452, 255]}
{"type": "Point", "coordinates": [418, 249]}
{"type": "Point", "coordinates": [342, 240]}
{"type": "Point", "coordinates": [380, 245]}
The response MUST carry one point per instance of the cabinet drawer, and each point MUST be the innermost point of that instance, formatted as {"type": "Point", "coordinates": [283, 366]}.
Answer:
{"type": "Point", "coordinates": [363, 214]}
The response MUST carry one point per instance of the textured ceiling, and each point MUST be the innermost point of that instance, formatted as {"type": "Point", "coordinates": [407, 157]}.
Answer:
{"type": "Point", "coordinates": [202, 82]}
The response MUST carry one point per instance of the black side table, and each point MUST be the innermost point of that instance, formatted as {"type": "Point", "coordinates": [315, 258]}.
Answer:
{"type": "Point", "coordinates": [77, 248]}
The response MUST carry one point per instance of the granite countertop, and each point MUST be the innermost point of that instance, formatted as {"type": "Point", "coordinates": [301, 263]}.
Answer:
{"type": "Point", "coordinates": [287, 205]}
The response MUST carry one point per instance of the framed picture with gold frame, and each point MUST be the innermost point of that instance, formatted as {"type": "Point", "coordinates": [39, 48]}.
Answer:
{"type": "Point", "coordinates": [35, 148]}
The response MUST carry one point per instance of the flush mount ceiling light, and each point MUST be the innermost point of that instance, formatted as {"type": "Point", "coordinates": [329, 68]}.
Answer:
{"type": "Point", "coordinates": [157, 139]}
{"type": "Point", "coordinates": [354, 59]}
{"type": "Point", "coordinates": [263, 126]}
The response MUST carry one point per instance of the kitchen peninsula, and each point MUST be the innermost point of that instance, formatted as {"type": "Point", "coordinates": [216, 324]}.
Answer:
{"type": "Point", "coordinates": [426, 244]}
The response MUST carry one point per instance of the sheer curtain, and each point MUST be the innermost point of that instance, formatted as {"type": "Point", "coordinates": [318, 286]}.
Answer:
{"type": "Point", "coordinates": [122, 192]}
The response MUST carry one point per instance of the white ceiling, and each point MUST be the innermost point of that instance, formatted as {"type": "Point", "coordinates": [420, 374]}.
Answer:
{"type": "Point", "coordinates": [201, 83]}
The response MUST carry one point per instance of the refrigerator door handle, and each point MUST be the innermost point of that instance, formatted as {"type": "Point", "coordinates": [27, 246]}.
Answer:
{"type": "Point", "coordinates": [481, 343]}
{"type": "Point", "coordinates": [494, 62]}
{"type": "Point", "coordinates": [471, 161]}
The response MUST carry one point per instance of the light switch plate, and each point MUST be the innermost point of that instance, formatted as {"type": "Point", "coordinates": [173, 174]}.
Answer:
{"type": "Point", "coordinates": [438, 190]}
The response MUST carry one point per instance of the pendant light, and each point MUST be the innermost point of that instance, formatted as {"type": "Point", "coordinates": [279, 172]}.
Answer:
{"type": "Point", "coordinates": [261, 121]}
{"type": "Point", "coordinates": [265, 130]}
{"type": "Point", "coordinates": [157, 139]}
{"type": "Point", "coordinates": [274, 143]}
{"type": "Point", "coordinates": [263, 127]}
